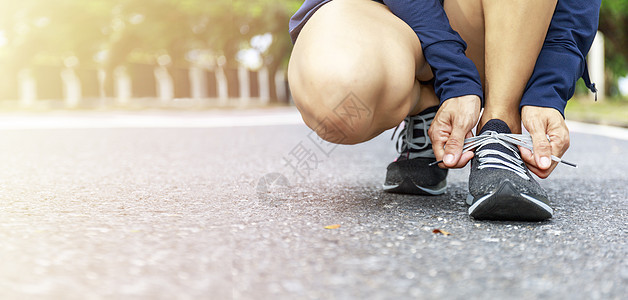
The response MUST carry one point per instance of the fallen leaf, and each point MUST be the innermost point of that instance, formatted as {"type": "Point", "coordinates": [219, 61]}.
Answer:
{"type": "Point", "coordinates": [335, 226]}
{"type": "Point", "coordinates": [443, 232]}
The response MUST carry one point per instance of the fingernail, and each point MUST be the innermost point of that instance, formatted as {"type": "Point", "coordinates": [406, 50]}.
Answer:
{"type": "Point", "coordinates": [545, 162]}
{"type": "Point", "coordinates": [449, 159]}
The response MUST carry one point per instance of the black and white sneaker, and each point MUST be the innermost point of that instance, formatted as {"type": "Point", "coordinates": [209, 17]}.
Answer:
{"type": "Point", "coordinates": [500, 185]}
{"type": "Point", "coordinates": [410, 173]}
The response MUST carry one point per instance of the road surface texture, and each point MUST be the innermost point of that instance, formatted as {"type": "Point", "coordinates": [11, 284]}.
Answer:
{"type": "Point", "coordinates": [110, 206]}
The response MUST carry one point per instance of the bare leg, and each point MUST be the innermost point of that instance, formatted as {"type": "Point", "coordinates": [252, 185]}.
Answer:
{"type": "Point", "coordinates": [511, 45]}
{"type": "Point", "coordinates": [467, 18]}
{"type": "Point", "coordinates": [359, 49]}
{"type": "Point", "coordinates": [427, 99]}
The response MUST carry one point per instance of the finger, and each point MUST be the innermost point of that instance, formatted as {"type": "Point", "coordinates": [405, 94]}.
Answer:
{"type": "Point", "coordinates": [464, 159]}
{"type": "Point", "coordinates": [469, 135]}
{"type": "Point", "coordinates": [542, 173]}
{"type": "Point", "coordinates": [453, 147]}
{"type": "Point", "coordinates": [550, 169]}
{"type": "Point", "coordinates": [466, 156]}
{"type": "Point", "coordinates": [438, 138]}
{"type": "Point", "coordinates": [559, 141]}
{"type": "Point", "coordinates": [529, 160]}
{"type": "Point", "coordinates": [527, 157]}
{"type": "Point", "coordinates": [542, 149]}
{"type": "Point", "coordinates": [538, 172]}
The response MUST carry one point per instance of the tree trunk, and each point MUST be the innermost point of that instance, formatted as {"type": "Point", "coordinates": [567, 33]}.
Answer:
{"type": "Point", "coordinates": [272, 71]}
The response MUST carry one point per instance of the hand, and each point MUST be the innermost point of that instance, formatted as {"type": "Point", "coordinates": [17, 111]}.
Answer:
{"type": "Point", "coordinates": [451, 125]}
{"type": "Point", "coordinates": [540, 123]}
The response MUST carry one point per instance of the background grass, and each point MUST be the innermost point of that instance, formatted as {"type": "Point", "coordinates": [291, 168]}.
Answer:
{"type": "Point", "coordinates": [609, 112]}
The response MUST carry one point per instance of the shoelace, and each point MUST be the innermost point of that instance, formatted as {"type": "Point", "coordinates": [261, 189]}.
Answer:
{"type": "Point", "coordinates": [406, 140]}
{"type": "Point", "coordinates": [511, 162]}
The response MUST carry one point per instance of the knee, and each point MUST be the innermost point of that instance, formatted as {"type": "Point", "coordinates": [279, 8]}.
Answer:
{"type": "Point", "coordinates": [340, 120]}
{"type": "Point", "coordinates": [338, 106]}
{"type": "Point", "coordinates": [347, 124]}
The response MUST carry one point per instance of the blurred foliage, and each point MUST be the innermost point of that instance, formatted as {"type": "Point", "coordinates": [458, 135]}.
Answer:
{"type": "Point", "coordinates": [113, 32]}
{"type": "Point", "coordinates": [614, 25]}
{"type": "Point", "coordinates": [174, 33]}
{"type": "Point", "coordinates": [613, 112]}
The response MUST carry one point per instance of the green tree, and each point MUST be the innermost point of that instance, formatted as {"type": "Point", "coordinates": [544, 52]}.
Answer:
{"type": "Point", "coordinates": [123, 31]}
{"type": "Point", "coordinates": [266, 16]}
{"type": "Point", "coordinates": [614, 25]}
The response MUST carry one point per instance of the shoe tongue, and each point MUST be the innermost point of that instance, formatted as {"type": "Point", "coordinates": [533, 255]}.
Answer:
{"type": "Point", "coordinates": [428, 110]}
{"type": "Point", "coordinates": [496, 125]}
{"type": "Point", "coordinates": [418, 132]}
{"type": "Point", "coordinates": [423, 113]}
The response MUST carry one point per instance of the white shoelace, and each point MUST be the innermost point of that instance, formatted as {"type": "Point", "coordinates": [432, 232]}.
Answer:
{"type": "Point", "coordinates": [511, 161]}
{"type": "Point", "coordinates": [406, 135]}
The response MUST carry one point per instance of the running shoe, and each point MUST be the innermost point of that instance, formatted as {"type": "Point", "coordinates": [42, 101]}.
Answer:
{"type": "Point", "coordinates": [500, 185]}
{"type": "Point", "coordinates": [411, 172]}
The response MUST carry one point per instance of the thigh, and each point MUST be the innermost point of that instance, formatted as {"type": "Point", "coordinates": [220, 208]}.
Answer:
{"type": "Point", "coordinates": [467, 18]}
{"type": "Point", "coordinates": [352, 31]}
{"type": "Point", "coordinates": [356, 47]}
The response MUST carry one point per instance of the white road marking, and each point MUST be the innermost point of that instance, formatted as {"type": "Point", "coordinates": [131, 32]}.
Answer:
{"type": "Point", "coordinates": [87, 120]}
{"type": "Point", "coordinates": [207, 119]}
{"type": "Point", "coordinates": [602, 130]}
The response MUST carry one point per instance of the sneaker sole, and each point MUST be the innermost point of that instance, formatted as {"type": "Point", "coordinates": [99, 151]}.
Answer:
{"type": "Point", "coordinates": [506, 204]}
{"type": "Point", "coordinates": [408, 187]}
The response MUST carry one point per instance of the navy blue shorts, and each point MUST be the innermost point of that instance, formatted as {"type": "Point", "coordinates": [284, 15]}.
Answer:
{"type": "Point", "coordinates": [304, 13]}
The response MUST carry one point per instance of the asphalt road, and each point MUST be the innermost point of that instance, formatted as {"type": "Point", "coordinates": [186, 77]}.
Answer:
{"type": "Point", "coordinates": [102, 211]}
